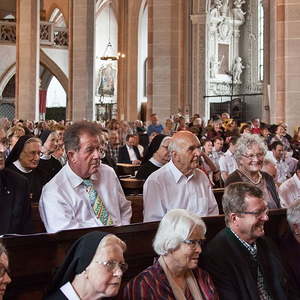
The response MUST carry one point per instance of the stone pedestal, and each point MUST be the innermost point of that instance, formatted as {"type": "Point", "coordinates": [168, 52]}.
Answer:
{"type": "Point", "coordinates": [80, 104]}
{"type": "Point", "coordinates": [27, 59]}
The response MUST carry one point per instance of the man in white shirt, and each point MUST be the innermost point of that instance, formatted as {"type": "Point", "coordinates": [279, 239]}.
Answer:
{"type": "Point", "coordinates": [227, 162]}
{"type": "Point", "coordinates": [179, 183]}
{"type": "Point", "coordinates": [67, 201]}
{"type": "Point", "coordinates": [289, 191]}
{"type": "Point", "coordinates": [276, 155]}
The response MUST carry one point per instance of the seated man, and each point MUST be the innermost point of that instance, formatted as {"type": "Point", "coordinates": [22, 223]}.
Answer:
{"type": "Point", "coordinates": [243, 263]}
{"type": "Point", "coordinates": [179, 183]}
{"type": "Point", "coordinates": [227, 162]}
{"type": "Point", "coordinates": [84, 193]}
{"type": "Point", "coordinates": [289, 191]}
{"type": "Point", "coordinates": [129, 154]}
{"type": "Point", "coordinates": [15, 207]}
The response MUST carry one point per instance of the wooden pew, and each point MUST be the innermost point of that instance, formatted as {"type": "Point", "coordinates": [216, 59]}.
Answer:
{"type": "Point", "coordinates": [33, 258]}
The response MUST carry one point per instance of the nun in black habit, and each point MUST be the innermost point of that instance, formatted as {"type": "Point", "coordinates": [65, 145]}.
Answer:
{"type": "Point", "coordinates": [92, 269]}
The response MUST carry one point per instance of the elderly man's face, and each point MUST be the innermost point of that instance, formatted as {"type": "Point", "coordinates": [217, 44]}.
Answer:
{"type": "Point", "coordinates": [187, 158]}
{"type": "Point", "coordinates": [2, 156]}
{"type": "Point", "coordinates": [86, 161]}
{"type": "Point", "coordinates": [249, 225]}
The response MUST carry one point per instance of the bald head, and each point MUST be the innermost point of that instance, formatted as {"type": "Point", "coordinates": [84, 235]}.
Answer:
{"type": "Point", "coordinates": [185, 151]}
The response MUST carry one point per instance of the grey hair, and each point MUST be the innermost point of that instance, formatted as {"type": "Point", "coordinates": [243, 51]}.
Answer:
{"type": "Point", "coordinates": [245, 142]}
{"type": "Point", "coordinates": [165, 139]}
{"type": "Point", "coordinates": [293, 213]}
{"type": "Point", "coordinates": [233, 200]}
{"type": "Point", "coordinates": [175, 227]}
{"type": "Point", "coordinates": [72, 134]}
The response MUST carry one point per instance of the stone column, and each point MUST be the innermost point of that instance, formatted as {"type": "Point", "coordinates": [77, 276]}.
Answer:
{"type": "Point", "coordinates": [166, 51]}
{"type": "Point", "coordinates": [81, 60]}
{"type": "Point", "coordinates": [198, 45]}
{"type": "Point", "coordinates": [27, 59]}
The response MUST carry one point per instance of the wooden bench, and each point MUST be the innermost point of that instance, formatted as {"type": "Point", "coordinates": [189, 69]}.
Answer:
{"type": "Point", "coordinates": [33, 258]}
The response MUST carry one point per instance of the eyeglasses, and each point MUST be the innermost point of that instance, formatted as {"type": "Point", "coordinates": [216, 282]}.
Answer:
{"type": "Point", "coordinates": [4, 270]}
{"type": "Point", "coordinates": [258, 214]}
{"type": "Point", "coordinates": [111, 265]}
{"type": "Point", "coordinates": [258, 156]}
{"type": "Point", "coordinates": [193, 243]}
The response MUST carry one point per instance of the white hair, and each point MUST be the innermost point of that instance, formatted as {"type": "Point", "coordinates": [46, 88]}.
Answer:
{"type": "Point", "coordinates": [293, 213]}
{"type": "Point", "coordinates": [245, 142]}
{"type": "Point", "coordinates": [175, 227]}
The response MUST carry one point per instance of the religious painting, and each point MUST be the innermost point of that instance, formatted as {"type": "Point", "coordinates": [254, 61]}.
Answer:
{"type": "Point", "coordinates": [107, 80]}
{"type": "Point", "coordinates": [223, 58]}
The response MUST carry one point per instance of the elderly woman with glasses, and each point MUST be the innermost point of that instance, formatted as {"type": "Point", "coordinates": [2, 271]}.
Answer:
{"type": "Point", "coordinates": [175, 275]}
{"type": "Point", "coordinates": [93, 269]}
{"type": "Point", "coordinates": [290, 244]}
{"type": "Point", "coordinates": [249, 154]}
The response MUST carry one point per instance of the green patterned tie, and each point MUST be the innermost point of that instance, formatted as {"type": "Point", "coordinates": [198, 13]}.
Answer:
{"type": "Point", "coordinates": [97, 203]}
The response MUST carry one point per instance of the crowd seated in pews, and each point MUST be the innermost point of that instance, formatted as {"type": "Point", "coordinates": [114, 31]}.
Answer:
{"type": "Point", "coordinates": [87, 192]}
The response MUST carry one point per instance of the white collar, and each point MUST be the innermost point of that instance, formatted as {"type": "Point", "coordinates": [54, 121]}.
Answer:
{"type": "Point", "coordinates": [155, 162]}
{"type": "Point", "coordinates": [68, 290]}
{"type": "Point", "coordinates": [177, 173]}
{"type": "Point", "coordinates": [46, 156]}
{"type": "Point", "coordinates": [19, 166]}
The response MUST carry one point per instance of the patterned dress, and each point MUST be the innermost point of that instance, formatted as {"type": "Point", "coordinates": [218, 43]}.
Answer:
{"type": "Point", "coordinates": [152, 284]}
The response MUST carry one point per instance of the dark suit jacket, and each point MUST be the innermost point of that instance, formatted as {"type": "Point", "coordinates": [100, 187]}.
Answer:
{"type": "Point", "coordinates": [124, 155]}
{"type": "Point", "coordinates": [234, 271]}
{"type": "Point", "coordinates": [15, 206]}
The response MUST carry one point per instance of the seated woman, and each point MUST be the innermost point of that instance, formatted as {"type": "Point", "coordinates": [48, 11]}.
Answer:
{"type": "Point", "coordinates": [49, 165]}
{"type": "Point", "coordinates": [249, 154]}
{"type": "Point", "coordinates": [24, 159]}
{"type": "Point", "coordinates": [4, 271]}
{"type": "Point", "coordinates": [290, 244]}
{"type": "Point", "coordinates": [175, 275]}
{"type": "Point", "coordinates": [93, 269]}
{"type": "Point", "coordinates": [156, 157]}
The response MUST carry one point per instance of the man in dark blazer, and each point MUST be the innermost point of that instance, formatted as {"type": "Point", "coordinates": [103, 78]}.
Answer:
{"type": "Point", "coordinates": [242, 262]}
{"type": "Point", "coordinates": [15, 206]}
{"type": "Point", "coordinates": [129, 154]}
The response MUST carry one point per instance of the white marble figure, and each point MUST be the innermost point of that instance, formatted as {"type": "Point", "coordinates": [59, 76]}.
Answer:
{"type": "Point", "coordinates": [215, 11]}
{"type": "Point", "coordinates": [225, 7]}
{"type": "Point", "coordinates": [237, 10]}
{"type": "Point", "coordinates": [237, 70]}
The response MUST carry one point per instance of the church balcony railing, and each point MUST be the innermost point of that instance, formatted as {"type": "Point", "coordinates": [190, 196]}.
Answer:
{"type": "Point", "coordinates": [50, 35]}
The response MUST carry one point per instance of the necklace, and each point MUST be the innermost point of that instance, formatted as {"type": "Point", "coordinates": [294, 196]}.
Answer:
{"type": "Point", "coordinates": [250, 179]}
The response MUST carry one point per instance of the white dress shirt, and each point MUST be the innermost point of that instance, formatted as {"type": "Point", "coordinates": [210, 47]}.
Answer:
{"type": "Point", "coordinates": [65, 203]}
{"type": "Point", "coordinates": [132, 155]}
{"type": "Point", "coordinates": [289, 191]}
{"type": "Point", "coordinates": [282, 167]}
{"type": "Point", "coordinates": [228, 163]}
{"type": "Point", "coordinates": [168, 188]}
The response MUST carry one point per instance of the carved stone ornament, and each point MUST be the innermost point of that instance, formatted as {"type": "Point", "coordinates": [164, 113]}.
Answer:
{"type": "Point", "coordinates": [224, 30]}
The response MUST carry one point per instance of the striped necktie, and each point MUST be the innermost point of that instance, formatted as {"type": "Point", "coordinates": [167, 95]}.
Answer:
{"type": "Point", "coordinates": [97, 203]}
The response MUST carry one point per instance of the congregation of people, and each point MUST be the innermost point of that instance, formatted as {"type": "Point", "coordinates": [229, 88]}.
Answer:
{"type": "Point", "coordinates": [71, 170]}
